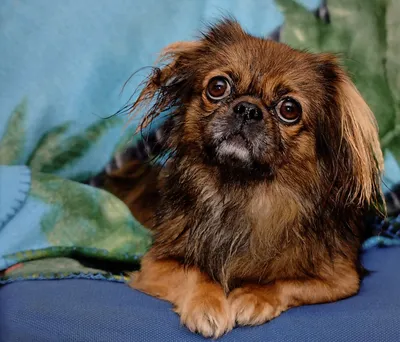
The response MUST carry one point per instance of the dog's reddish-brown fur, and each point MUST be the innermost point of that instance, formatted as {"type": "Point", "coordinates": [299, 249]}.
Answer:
{"type": "Point", "coordinates": [244, 243]}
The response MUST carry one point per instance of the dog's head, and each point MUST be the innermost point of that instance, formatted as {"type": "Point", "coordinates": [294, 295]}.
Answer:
{"type": "Point", "coordinates": [257, 110]}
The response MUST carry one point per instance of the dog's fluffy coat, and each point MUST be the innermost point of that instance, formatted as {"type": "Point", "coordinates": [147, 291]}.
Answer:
{"type": "Point", "coordinates": [242, 242]}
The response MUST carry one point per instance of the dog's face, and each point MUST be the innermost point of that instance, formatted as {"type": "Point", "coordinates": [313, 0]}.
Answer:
{"type": "Point", "coordinates": [256, 109]}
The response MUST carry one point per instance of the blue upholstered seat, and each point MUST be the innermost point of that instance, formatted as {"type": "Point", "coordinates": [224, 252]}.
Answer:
{"type": "Point", "coordinates": [90, 310]}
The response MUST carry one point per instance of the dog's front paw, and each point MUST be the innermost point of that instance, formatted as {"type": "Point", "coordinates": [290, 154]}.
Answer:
{"type": "Point", "coordinates": [208, 314]}
{"type": "Point", "coordinates": [253, 305]}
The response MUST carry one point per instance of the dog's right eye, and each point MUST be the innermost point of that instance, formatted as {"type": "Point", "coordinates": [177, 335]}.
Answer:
{"type": "Point", "coordinates": [218, 88]}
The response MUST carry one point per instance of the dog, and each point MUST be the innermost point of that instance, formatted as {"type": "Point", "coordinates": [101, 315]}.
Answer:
{"type": "Point", "coordinates": [272, 163]}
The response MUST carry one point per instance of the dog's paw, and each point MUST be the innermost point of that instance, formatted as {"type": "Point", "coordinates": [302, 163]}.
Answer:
{"type": "Point", "coordinates": [148, 285]}
{"type": "Point", "coordinates": [253, 306]}
{"type": "Point", "coordinates": [207, 314]}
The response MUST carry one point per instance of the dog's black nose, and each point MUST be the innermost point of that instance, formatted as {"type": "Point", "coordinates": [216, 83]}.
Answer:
{"type": "Point", "coordinates": [248, 111]}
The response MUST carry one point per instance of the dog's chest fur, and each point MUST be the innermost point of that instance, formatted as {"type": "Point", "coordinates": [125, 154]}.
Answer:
{"type": "Point", "coordinates": [237, 233]}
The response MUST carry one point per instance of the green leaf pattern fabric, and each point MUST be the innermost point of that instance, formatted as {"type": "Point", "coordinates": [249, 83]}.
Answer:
{"type": "Point", "coordinates": [13, 141]}
{"type": "Point", "coordinates": [78, 221]}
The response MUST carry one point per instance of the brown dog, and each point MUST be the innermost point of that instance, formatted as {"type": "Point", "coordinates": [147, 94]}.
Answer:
{"type": "Point", "coordinates": [275, 161]}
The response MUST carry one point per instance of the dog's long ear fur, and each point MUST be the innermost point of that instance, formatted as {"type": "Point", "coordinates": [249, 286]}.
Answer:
{"type": "Point", "coordinates": [355, 154]}
{"type": "Point", "coordinates": [360, 133]}
{"type": "Point", "coordinates": [166, 86]}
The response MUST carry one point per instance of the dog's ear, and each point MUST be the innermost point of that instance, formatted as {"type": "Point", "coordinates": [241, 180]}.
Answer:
{"type": "Point", "coordinates": [359, 132]}
{"type": "Point", "coordinates": [168, 84]}
{"type": "Point", "coordinates": [350, 132]}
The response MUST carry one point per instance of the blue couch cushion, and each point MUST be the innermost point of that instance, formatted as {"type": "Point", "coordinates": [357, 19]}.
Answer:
{"type": "Point", "coordinates": [89, 310]}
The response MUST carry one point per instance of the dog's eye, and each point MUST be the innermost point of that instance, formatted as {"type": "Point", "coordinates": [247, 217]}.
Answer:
{"type": "Point", "coordinates": [218, 88]}
{"type": "Point", "coordinates": [289, 110]}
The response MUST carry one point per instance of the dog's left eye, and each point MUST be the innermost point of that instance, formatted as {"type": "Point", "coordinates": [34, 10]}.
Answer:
{"type": "Point", "coordinates": [218, 88]}
{"type": "Point", "coordinates": [289, 110]}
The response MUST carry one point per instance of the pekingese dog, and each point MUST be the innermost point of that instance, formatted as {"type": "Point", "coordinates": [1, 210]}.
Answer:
{"type": "Point", "coordinates": [274, 163]}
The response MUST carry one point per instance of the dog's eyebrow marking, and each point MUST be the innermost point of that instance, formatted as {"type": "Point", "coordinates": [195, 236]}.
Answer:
{"type": "Point", "coordinates": [281, 90]}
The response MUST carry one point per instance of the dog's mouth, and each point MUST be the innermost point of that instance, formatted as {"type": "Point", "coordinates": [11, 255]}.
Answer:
{"type": "Point", "coordinates": [235, 147]}
{"type": "Point", "coordinates": [235, 156]}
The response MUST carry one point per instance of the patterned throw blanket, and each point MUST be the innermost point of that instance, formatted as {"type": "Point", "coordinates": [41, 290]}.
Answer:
{"type": "Point", "coordinates": [52, 226]}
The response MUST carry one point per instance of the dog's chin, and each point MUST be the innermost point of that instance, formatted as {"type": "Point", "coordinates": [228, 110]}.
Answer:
{"type": "Point", "coordinates": [233, 156]}
{"type": "Point", "coordinates": [234, 150]}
